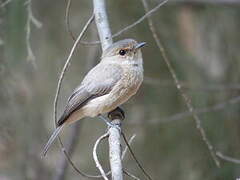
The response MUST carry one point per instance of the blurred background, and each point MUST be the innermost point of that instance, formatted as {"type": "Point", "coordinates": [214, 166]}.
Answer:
{"type": "Point", "coordinates": [201, 38]}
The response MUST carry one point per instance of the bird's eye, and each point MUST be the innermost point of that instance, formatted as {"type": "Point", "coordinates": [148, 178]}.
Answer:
{"type": "Point", "coordinates": [122, 52]}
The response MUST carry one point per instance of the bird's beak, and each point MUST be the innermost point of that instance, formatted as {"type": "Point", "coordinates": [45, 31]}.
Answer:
{"type": "Point", "coordinates": [140, 45]}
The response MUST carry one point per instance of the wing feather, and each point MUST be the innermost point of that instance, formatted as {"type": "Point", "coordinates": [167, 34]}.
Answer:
{"type": "Point", "coordinates": [98, 82]}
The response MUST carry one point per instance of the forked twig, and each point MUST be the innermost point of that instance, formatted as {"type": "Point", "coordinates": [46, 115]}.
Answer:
{"type": "Point", "coordinates": [187, 100]}
{"type": "Point", "coordinates": [149, 13]}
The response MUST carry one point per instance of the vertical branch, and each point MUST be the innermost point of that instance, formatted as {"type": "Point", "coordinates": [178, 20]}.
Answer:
{"type": "Point", "coordinates": [101, 20]}
{"type": "Point", "coordinates": [105, 36]}
{"type": "Point", "coordinates": [115, 150]}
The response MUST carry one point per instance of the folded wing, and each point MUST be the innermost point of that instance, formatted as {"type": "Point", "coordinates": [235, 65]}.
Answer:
{"type": "Point", "coordinates": [98, 82]}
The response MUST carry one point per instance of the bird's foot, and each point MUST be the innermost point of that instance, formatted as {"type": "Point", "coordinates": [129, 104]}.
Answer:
{"type": "Point", "coordinates": [110, 124]}
{"type": "Point", "coordinates": [116, 116]}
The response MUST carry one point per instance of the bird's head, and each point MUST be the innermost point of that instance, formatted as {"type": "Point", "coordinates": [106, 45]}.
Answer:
{"type": "Point", "coordinates": [125, 50]}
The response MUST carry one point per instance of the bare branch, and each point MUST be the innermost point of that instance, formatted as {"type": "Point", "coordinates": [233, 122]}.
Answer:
{"type": "Point", "coordinates": [135, 158]}
{"type": "Point", "coordinates": [66, 65]}
{"type": "Point", "coordinates": [80, 172]}
{"type": "Point", "coordinates": [126, 148]}
{"type": "Point", "coordinates": [115, 150]}
{"type": "Point", "coordinates": [101, 21]}
{"type": "Point", "coordinates": [105, 36]}
{"type": "Point", "coordinates": [130, 175]}
{"type": "Point", "coordinates": [98, 165]}
{"type": "Point", "coordinates": [67, 20]}
{"type": "Point", "coordinates": [187, 100]}
{"type": "Point", "coordinates": [227, 158]}
{"type": "Point", "coordinates": [216, 107]}
{"type": "Point", "coordinates": [149, 13]}
{"type": "Point", "coordinates": [182, 115]}
{"type": "Point", "coordinates": [72, 140]}
{"type": "Point", "coordinates": [38, 24]}
{"type": "Point", "coordinates": [71, 144]}
{"type": "Point", "coordinates": [187, 86]}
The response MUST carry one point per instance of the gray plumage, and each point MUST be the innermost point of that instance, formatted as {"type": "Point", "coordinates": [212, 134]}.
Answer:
{"type": "Point", "coordinates": [96, 83]}
{"type": "Point", "coordinates": [109, 84]}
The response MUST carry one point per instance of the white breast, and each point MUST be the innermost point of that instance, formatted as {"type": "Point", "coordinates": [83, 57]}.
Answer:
{"type": "Point", "coordinates": [123, 90]}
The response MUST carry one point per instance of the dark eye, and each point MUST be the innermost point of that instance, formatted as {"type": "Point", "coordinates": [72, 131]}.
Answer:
{"type": "Point", "coordinates": [122, 52]}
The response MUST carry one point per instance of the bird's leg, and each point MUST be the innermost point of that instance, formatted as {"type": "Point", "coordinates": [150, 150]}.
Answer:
{"type": "Point", "coordinates": [109, 124]}
{"type": "Point", "coordinates": [116, 116]}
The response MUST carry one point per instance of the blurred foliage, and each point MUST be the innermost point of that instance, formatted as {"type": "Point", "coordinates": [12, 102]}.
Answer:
{"type": "Point", "coordinates": [202, 41]}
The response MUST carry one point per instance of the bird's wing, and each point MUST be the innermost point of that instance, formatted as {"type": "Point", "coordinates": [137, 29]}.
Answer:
{"type": "Point", "coordinates": [98, 82]}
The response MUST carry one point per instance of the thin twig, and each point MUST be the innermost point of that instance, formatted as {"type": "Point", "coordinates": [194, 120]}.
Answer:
{"type": "Point", "coordinates": [187, 100]}
{"type": "Point", "coordinates": [66, 65]}
{"type": "Point", "coordinates": [149, 13]}
{"type": "Point", "coordinates": [207, 87]}
{"type": "Point", "coordinates": [38, 24]}
{"type": "Point", "coordinates": [73, 138]}
{"type": "Point", "coordinates": [198, 111]}
{"type": "Point", "coordinates": [135, 158]}
{"type": "Point", "coordinates": [79, 171]}
{"type": "Point", "coordinates": [71, 145]}
{"type": "Point", "coordinates": [216, 107]}
{"type": "Point", "coordinates": [67, 20]}
{"type": "Point", "coordinates": [227, 158]}
{"type": "Point", "coordinates": [98, 165]}
{"type": "Point", "coordinates": [126, 148]}
{"type": "Point", "coordinates": [130, 175]}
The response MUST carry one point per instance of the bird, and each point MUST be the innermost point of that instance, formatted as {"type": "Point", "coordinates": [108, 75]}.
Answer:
{"type": "Point", "coordinates": [109, 84]}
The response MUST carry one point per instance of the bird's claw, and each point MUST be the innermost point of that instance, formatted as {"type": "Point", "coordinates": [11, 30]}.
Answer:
{"type": "Point", "coordinates": [109, 124]}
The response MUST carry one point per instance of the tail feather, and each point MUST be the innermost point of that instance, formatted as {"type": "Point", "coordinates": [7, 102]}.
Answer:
{"type": "Point", "coordinates": [51, 140]}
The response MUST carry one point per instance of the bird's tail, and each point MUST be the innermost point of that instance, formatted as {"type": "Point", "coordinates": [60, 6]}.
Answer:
{"type": "Point", "coordinates": [51, 139]}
